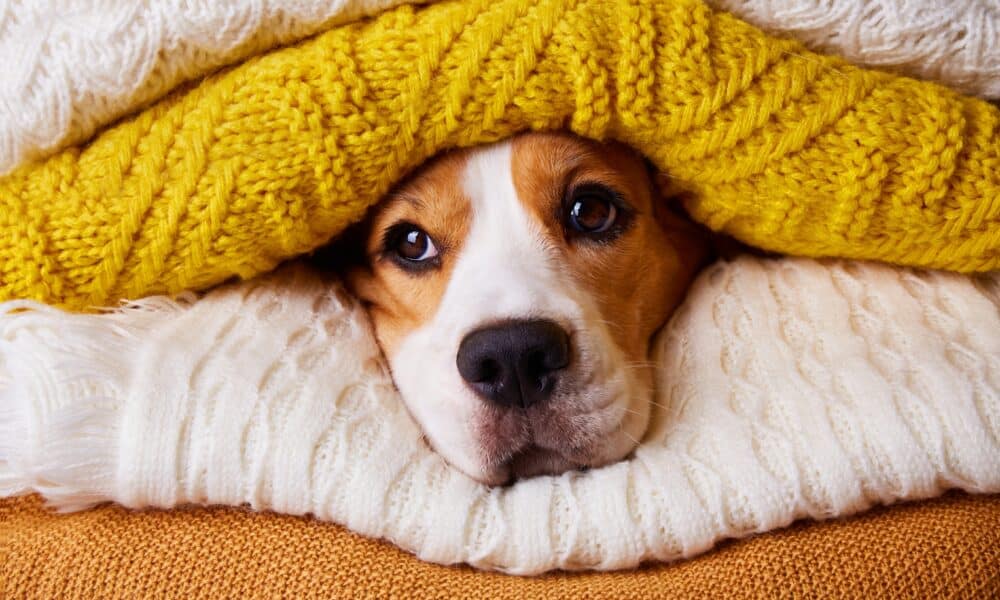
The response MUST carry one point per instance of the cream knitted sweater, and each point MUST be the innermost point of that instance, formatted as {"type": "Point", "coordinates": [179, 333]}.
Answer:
{"type": "Point", "coordinates": [951, 41]}
{"type": "Point", "coordinates": [787, 389]}
{"type": "Point", "coordinates": [73, 66]}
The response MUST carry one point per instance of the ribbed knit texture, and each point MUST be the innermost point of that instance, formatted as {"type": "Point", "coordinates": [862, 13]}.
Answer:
{"type": "Point", "coordinates": [72, 66]}
{"type": "Point", "coordinates": [947, 548]}
{"type": "Point", "coordinates": [954, 42]}
{"type": "Point", "coordinates": [782, 148]}
{"type": "Point", "coordinates": [787, 389]}
{"type": "Point", "coordinates": [63, 81]}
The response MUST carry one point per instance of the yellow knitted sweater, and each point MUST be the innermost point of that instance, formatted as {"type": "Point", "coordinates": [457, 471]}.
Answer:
{"type": "Point", "coordinates": [782, 148]}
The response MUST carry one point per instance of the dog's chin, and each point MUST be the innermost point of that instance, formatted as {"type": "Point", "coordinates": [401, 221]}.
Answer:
{"type": "Point", "coordinates": [549, 440]}
{"type": "Point", "coordinates": [532, 461]}
{"type": "Point", "coordinates": [535, 461]}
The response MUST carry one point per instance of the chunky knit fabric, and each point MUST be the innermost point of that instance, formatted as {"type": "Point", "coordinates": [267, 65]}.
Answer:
{"type": "Point", "coordinates": [71, 67]}
{"type": "Point", "coordinates": [788, 389]}
{"type": "Point", "coordinates": [954, 42]}
{"type": "Point", "coordinates": [64, 81]}
{"type": "Point", "coordinates": [780, 147]}
{"type": "Point", "coordinates": [948, 547]}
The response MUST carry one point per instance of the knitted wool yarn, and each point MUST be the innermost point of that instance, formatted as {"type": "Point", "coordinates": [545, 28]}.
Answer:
{"type": "Point", "coordinates": [953, 42]}
{"type": "Point", "coordinates": [779, 147]}
{"type": "Point", "coordinates": [786, 389]}
{"type": "Point", "coordinates": [64, 81]}
{"type": "Point", "coordinates": [950, 546]}
{"type": "Point", "coordinates": [71, 67]}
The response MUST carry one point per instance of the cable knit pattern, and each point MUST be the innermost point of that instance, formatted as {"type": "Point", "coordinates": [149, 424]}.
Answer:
{"type": "Point", "coordinates": [784, 149]}
{"type": "Point", "coordinates": [136, 52]}
{"type": "Point", "coordinates": [788, 389]}
{"type": "Point", "coordinates": [71, 67]}
{"type": "Point", "coordinates": [954, 42]}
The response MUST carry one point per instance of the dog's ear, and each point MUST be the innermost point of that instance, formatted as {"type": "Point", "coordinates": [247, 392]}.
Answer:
{"type": "Point", "coordinates": [692, 240]}
{"type": "Point", "coordinates": [361, 282]}
{"type": "Point", "coordinates": [700, 242]}
{"type": "Point", "coordinates": [347, 257]}
{"type": "Point", "coordinates": [345, 251]}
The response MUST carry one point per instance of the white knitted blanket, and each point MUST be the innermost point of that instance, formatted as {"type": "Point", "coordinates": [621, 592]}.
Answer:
{"type": "Point", "coordinates": [788, 389]}
{"type": "Point", "coordinates": [72, 66]}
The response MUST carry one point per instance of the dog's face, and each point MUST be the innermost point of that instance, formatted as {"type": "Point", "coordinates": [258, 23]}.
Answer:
{"type": "Point", "coordinates": [514, 289]}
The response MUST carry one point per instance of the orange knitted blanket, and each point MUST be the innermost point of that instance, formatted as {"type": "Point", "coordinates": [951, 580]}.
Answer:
{"type": "Point", "coordinates": [948, 547]}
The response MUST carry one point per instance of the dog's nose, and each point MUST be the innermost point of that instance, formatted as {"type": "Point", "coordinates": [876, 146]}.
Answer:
{"type": "Point", "coordinates": [515, 363]}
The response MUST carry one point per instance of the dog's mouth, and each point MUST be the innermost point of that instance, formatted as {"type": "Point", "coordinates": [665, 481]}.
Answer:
{"type": "Point", "coordinates": [534, 461]}
{"type": "Point", "coordinates": [520, 444]}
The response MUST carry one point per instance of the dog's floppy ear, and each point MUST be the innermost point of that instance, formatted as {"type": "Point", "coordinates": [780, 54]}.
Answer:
{"type": "Point", "coordinates": [347, 257]}
{"type": "Point", "coordinates": [692, 240]}
{"type": "Point", "coordinates": [699, 242]}
{"type": "Point", "coordinates": [345, 251]}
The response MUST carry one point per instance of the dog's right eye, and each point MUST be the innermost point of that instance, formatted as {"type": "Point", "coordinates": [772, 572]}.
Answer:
{"type": "Point", "coordinates": [594, 211]}
{"type": "Point", "coordinates": [410, 246]}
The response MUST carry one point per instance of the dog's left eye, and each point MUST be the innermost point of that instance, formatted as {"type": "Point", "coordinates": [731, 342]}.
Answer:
{"type": "Point", "coordinates": [410, 244]}
{"type": "Point", "coordinates": [592, 210]}
{"type": "Point", "coordinates": [417, 246]}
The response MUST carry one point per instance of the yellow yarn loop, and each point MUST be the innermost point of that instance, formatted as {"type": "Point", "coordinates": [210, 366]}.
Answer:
{"type": "Point", "coordinates": [785, 149]}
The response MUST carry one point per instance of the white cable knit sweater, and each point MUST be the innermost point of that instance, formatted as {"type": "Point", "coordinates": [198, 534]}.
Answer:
{"type": "Point", "coordinates": [73, 66]}
{"type": "Point", "coordinates": [787, 389]}
{"type": "Point", "coordinates": [951, 41]}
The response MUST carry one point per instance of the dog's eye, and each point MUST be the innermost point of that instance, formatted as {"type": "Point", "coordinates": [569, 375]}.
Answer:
{"type": "Point", "coordinates": [410, 245]}
{"type": "Point", "coordinates": [592, 210]}
{"type": "Point", "coordinates": [416, 245]}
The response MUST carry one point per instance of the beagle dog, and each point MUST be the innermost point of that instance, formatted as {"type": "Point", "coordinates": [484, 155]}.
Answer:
{"type": "Point", "coordinates": [515, 289]}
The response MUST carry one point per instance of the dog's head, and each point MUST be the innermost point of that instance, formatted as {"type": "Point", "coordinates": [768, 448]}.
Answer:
{"type": "Point", "coordinates": [515, 289]}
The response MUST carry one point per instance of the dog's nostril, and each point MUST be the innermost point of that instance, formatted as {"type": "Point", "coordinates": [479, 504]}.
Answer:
{"type": "Point", "coordinates": [538, 364]}
{"type": "Point", "coordinates": [489, 370]}
{"type": "Point", "coordinates": [536, 359]}
{"type": "Point", "coordinates": [515, 363]}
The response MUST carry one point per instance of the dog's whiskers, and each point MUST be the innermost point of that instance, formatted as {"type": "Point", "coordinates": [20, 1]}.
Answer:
{"type": "Point", "coordinates": [621, 428]}
{"type": "Point", "coordinates": [641, 365]}
{"type": "Point", "coordinates": [659, 405]}
{"type": "Point", "coordinates": [610, 324]}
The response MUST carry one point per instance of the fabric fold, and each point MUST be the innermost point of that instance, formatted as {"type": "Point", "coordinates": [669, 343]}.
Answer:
{"type": "Point", "coordinates": [782, 148]}
{"type": "Point", "coordinates": [787, 389]}
{"type": "Point", "coordinates": [63, 81]}
{"type": "Point", "coordinates": [137, 52]}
